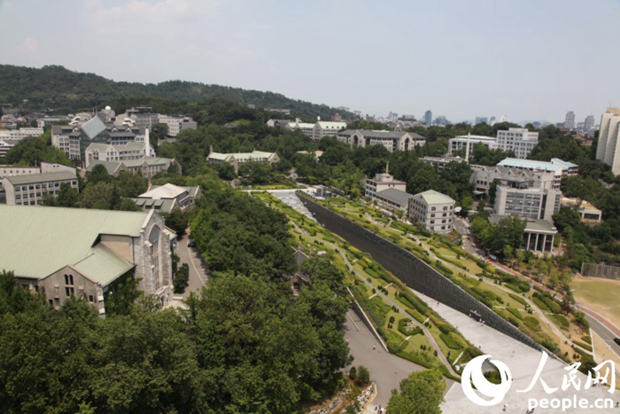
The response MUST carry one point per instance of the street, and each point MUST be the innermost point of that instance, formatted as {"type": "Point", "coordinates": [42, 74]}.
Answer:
{"type": "Point", "coordinates": [198, 273]}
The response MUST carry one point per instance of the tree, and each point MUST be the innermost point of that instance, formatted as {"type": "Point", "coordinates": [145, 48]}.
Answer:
{"type": "Point", "coordinates": [181, 278]}
{"type": "Point", "coordinates": [98, 174]}
{"type": "Point", "coordinates": [363, 376]}
{"type": "Point", "coordinates": [420, 393]}
{"type": "Point", "coordinates": [177, 220]}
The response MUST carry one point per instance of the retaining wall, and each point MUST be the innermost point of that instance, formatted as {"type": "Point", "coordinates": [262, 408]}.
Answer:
{"type": "Point", "coordinates": [414, 272]}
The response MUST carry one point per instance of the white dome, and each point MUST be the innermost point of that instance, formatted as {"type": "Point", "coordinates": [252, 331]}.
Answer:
{"type": "Point", "coordinates": [108, 108]}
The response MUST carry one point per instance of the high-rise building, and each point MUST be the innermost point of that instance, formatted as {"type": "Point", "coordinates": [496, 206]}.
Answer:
{"type": "Point", "coordinates": [481, 120]}
{"type": "Point", "coordinates": [608, 150]}
{"type": "Point", "coordinates": [519, 140]}
{"type": "Point", "coordinates": [569, 121]}
{"type": "Point", "coordinates": [428, 117]}
{"type": "Point", "coordinates": [588, 124]}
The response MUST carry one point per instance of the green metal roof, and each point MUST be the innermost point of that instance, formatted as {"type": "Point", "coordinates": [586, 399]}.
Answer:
{"type": "Point", "coordinates": [435, 197]}
{"type": "Point", "coordinates": [36, 241]}
{"type": "Point", "coordinates": [42, 178]}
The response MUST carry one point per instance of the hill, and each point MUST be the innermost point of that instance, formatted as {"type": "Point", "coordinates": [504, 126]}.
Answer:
{"type": "Point", "coordinates": [57, 89]}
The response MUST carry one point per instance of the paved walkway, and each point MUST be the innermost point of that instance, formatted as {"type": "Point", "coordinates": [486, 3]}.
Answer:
{"type": "Point", "coordinates": [386, 370]}
{"type": "Point", "coordinates": [198, 273]}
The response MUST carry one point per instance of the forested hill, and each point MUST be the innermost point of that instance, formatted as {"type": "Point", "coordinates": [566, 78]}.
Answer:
{"type": "Point", "coordinates": [61, 90]}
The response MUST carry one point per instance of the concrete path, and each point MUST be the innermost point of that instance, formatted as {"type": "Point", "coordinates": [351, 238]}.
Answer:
{"type": "Point", "coordinates": [386, 370]}
{"type": "Point", "coordinates": [198, 272]}
{"type": "Point", "coordinates": [522, 362]}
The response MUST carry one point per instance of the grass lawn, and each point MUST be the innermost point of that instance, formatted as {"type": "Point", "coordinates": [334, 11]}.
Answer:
{"type": "Point", "coordinates": [600, 295]}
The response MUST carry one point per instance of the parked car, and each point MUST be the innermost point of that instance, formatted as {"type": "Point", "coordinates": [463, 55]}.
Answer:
{"type": "Point", "coordinates": [617, 340]}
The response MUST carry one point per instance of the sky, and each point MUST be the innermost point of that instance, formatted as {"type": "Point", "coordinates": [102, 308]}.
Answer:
{"type": "Point", "coordinates": [526, 59]}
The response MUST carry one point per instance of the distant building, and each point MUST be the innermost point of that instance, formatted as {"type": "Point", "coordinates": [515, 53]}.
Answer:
{"type": "Point", "coordinates": [70, 252]}
{"type": "Point", "coordinates": [391, 140]}
{"type": "Point", "coordinates": [461, 142]}
{"type": "Point", "coordinates": [530, 203]}
{"type": "Point", "coordinates": [569, 121]}
{"type": "Point", "coordinates": [177, 123]}
{"type": "Point", "coordinates": [441, 120]}
{"type": "Point", "coordinates": [381, 182]}
{"type": "Point", "coordinates": [31, 189]}
{"type": "Point", "coordinates": [147, 167]}
{"type": "Point", "coordinates": [481, 120]}
{"type": "Point", "coordinates": [442, 162]}
{"type": "Point", "coordinates": [428, 117]}
{"type": "Point", "coordinates": [168, 197]}
{"type": "Point", "coordinates": [108, 152]}
{"type": "Point", "coordinates": [588, 124]}
{"type": "Point", "coordinates": [141, 117]}
{"type": "Point", "coordinates": [608, 149]}
{"type": "Point", "coordinates": [558, 167]}
{"type": "Point", "coordinates": [434, 210]}
{"type": "Point", "coordinates": [237, 158]}
{"type": "Point", "coordinates": [519, 140]}
{"type": "Point", "coordinates": [19, 134]}
{"type": "Point", "coordinates": [327, 129]}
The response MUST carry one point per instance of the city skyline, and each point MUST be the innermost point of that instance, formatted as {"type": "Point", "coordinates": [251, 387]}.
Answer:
{"type": "Point", "coordinates": [496, 58]}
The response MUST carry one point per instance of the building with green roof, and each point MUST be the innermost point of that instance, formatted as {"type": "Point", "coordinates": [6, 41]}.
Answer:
{"type": "Point", "coordinates": [434, 210]}
{"type": "Point", "coordinates": [237, 158]}
{"type": "Point", "coordinates": [64, 252]}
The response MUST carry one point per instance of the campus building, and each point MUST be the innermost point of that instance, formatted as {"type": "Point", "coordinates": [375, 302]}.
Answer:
{"type": "Point", "coordinates": [483, 177]}
{"type": "Point", "coordinates": [434, 210]}
{"type": "Point", "coordinates": [147, 167]}
{"type": "Point", "coordinates": [608, 150]}
{"type": "Point", "coordinates": [177, 123]}
{"type": "Point", "coordinates": [393, 199]}
{"type": "Point", "coordinates": [381, 182]}
{"type": "Point", "coordinates": [237, 158]}
{"type": "Point", "coordinates": [29, 186]}
{"type": "Point", "coordinates": [556, 166]}
{"type": "Point", "coordinates": [462, 142]}
{"type": "Point", "coordinates": [168, 197]}
{"type": "Point", "coordinates": [85, 253]}
{"type": "Point", "coordinates": [391, 140]}
{"type": "Point", "coordinates": [21, 133]}
{"type": "Point", "coordinates": [108, 152]}
{"type": "Point", "coordinates": [518, 140]}
{"type": "Point", "coordinates": [529, 203]}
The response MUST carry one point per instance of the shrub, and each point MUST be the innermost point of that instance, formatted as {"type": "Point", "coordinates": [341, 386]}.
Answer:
{"type": "Point", "coordinates": [181, 278]}
{"type": "Point", "coordinates": [449, 340]}
{"type": "Point", "coordinates": [363, 376]}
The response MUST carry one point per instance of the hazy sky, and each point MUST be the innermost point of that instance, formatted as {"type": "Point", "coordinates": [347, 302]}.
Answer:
{"type": "Point", "coordinates": [526, 59]}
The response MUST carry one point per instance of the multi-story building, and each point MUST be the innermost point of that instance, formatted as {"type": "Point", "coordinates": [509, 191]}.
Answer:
{"type": "Point", "coordinates": [483, 176]}
{"type": "Point", "coordinates": [434, 210]}
{"type": "Point", "coordinates": [45, 167]}
{"type": "Point", "coordinates": [608, 150]}
{"type": "Point", "coordinates": [237, 158]}
{"type": "Point", "coordinates": [108, 152]}
{"type": "Point", "coordinates": [391, 140]}
{"type": "Point", "coordinates": [147, 167]}
{"type": "Point", "coordinates": [327, 129]}
{"type": "Point", "coordinates": [588, 124]}
{"type": "Point", "coordinates": [86, 253]}
{"type": "Point", "coordinates": [168, 197]}
{"type": "Point", "coordinates": [569, 120]}
{"type": "Point", "coordinates": [559, 168]}
{"type": "Point", "coordinates": [19, 134]}
{"type": "Point", "coordinates": [31, 189]}
{"type": "Point", "coordinates": [428, 117]}
{"type": "Point", "coordinates": [518, 140]}
{"type": "Point", "coordinates": [393, 199]}
{"type": "Point", "coordinates": [462, 142]}
{"type": "Point", "coordinates": [529, 203]}
{"type": "Point", "coordinates": [140, 117]}
{"type": "Point", "coordinates": [481, 120]}
{"type": "Point", "coordinates": [441, 162]}
{"type": "Point", "coordinates": [381, 182]}
{"type": "Point", "coordinates": [177, 123]}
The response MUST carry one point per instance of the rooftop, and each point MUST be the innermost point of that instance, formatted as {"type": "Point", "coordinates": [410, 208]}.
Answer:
{"type": "Point", "coordinates": [41, 178]}
{"type": "Point", "coordinates": [240, 155]}
{"type": "Point", "coordinates": [435, 197]}
{"type": "Point", "coordinates": [165, 191]}
{"type": "Point", "coordinates": [38, 241]}
{"type": "Point", "coordinates": [396, 196]}
{"type": "Point", "coordinates": [559, 165]}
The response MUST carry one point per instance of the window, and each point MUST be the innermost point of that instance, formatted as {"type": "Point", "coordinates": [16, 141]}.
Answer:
{"type": "Point", "coordinates": [69, 291]}
{"type": "Point", "coordinates": [91, 298]}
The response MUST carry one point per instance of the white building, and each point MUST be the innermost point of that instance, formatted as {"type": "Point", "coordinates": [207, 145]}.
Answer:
{"type": "Point", "coordinates": [483, 177]}
{"type": "Point", "coordinates": [569, 121]}
{"type": "Point", "coordinates": [177, 123]}
{"type": "Point", "coordinates": [608, 150]}
{"type": "Point", "coordinates": [381, 182]}
{"type": "Point", "coordinates": [108, 152]}
{"type": "Point", "coordinates": [327, 129]}
{"type": "Point", "coordinates": [434, 210]}
{"type": "Point", "coordinates": [168, 197]}
{"type": "Point", "coordinates": [461, 142]}
{"type": "Point", "coordinates": [559, 168]}
{"type": "Point", "coordinates": [519, 140]}
{"type": "Point", "coordinates": [528, 203]}
{"type": "Point", "coordinates": [391, 140]}
{"type": "Point", "coordinates": [19, 134]}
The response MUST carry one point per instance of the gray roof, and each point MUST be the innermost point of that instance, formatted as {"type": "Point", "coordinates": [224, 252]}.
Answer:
{"type": "Point", "coordinates": [375, 133]}
{"type": "Point", "coordinates": [396, 196]}
{"type": "Point", "coordinates": [41, 178]}
{"type": "Point", "coordinates": [110, 166]}
{"type": "Point", "coordinates": [93, 127]}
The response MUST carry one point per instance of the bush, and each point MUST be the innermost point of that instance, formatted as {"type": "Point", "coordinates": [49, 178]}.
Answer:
{"type": "Point", "coordinates": [515, 312]}
{"type": "Point", "coordinates": [518, 299]}
{"type": "Point", "coordinates": [531, 323]}
{"type": "Point", "coordinates": [402, 328]}
{"type": "Point", "coordinates": [449, 340]}
{"type": "Point", "coordinates": [363, 376]}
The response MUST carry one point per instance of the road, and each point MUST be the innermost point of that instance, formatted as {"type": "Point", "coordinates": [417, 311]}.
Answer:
{"type": "Point", "coordinates": [605, 333]}
{"type": "Point", "coordinates": [386, 370]}
{"type": "Point", "coordinates": [198, 273]}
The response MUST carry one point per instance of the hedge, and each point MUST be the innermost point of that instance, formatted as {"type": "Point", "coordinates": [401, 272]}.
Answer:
{"type": "Point", "coordinates": [518, 299]}
{"type": "Point", "coordinates": [450, 341]}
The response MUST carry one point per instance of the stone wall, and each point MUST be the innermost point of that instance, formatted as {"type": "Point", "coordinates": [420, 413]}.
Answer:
{"type": "Point", "coordinates": [414, 272]}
